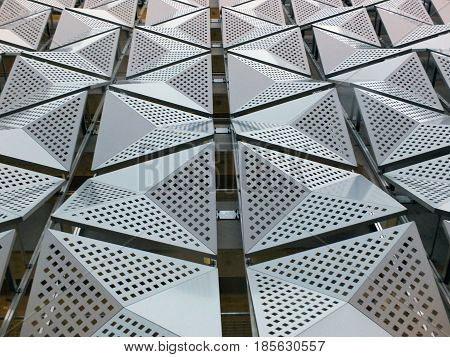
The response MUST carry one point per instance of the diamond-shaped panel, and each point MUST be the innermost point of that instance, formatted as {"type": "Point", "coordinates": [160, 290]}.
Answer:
{"type": "Point", "coordinates": [120, 12]}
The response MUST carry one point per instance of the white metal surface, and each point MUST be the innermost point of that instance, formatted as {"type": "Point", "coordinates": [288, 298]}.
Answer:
{"type": "Point", "coordinates": [307, 12]}
{"type": "Point", "coordinates": [58, 4]}
{"type": "Point", "coordinates": [413, 9]}
{"type": "Point", "coordinates": [164, 10]}
{"type": "Point", "coordinates": [284, 49]}
{"type": "Point", "coordinates": [285, 199]}
{"type": "Point", "coordinates": [365, 3]}
{"type": "Point", "coordinates": [13, 10]}
{"type": "Point", "coordinates": [6, 246]}
{"type": "Point", "coordinates": [99, 282]}
{"type": "Point", "coordinates": [132, 128]}
{"type": "Point", "coordinates": [403, 77]}
{"type": "Point", "coordinates": [120, 12]}
{"type": "Point", "coordinates": [252, 84]}
{"type": "Point", "coordinates": [439, 43]}
{"type": "Point", "coordinates": [268, 10]}
{"type": "Point", "coordinates": [443, 64]}
{"type": "Point", "coordinates": [9, 49]}
{"type": "Point", "coordinates": [443, 9]}
{"type": "Point", "coordinates": [398, 131]}
{"type": "Point", "coordinates": [23, 191]}
{"type": "Point", "coordinates": [313, 125]}
{"type": "Point", "coordinates": [31, 81]}
{"type": "Point", "coordinates": [169, 200]}
{"type": "Point", "coordinates": [45, 135]}
{"type": "Point", "coordinates": [427, 182]}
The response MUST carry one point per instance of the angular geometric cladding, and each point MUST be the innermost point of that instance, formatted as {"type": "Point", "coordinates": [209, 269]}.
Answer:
{"type": "Point", "coordinates": [6, 245]}
{"type": "Point", "coordinates": [410, 8]}
{"type": "Point", "coordinates": [12, 10]}
{"type": "Point", "coordinates": [309, 11]}
{"type": "Point", "coordinates": [120, 12]}
{"type": "Point", "coordinates": [315, 124]}
{"type": "Point", "coordinates": [53, 126]}
{"type": "Point", "coordinates": [268, 10]}
{"type": "Point", "coordinates": [443, 64]}
{"type": "Point", "coordinates": [164, 10]}
{"type": "Point", "coordinates": [145, 128]}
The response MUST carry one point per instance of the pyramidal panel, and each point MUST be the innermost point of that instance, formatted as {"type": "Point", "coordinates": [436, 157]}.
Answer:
{"type": "Point", "coordinates": [252, 84]}
{"type": "Point", "coordinates": [120, 12]}
{"type": "Point", "coordinates": [187, 84]}
{"type": "Point", "coordinates": [96, 54]}
{"type": "Point", "coordinates": [284, 49]}
{"type": "Point", "coordinates": [339, 53]}
{"type": "Point", "coordinates": [439, 43]}
{"type": "Point", "coordinates": [296, 199]}
{"type": "Point", "coordinates": [427, 182]}
{"type": "Point", "coordinates": [150, 51]}
{"type": "Point", "coordinates": [132, 128]}
{"type": "Point", "coordinates": [6, 246]}
{"type": "Point", "coordinates": [193, 28]}
{"type": "Point", "coordinates": [23, 191]}
{"type": "Point", "coordinates": [398, 130]}
{"type": "Point", "coordinates": [238, 28]}
{"type": "Point", "coordinates": [12, 10]}
{"type": "Point", "coordinates": [165, 10]}
{"type": "Point", "coordinates": [403, 77]}
{"type": "Point", "coordinates": [59, 4]}
{"type": "Point", "coordinates": [365, 3]}
{"type": "Point", "coordinates": [74, 27]}
{"type": "Point", "coordinates": [355, 24]}
{"type": "Point", "coordinates": [307, 12]}
{"type": "Point", "coordinates": [313, 125]}
{"type": "Point", "coordinates": [32, 81]}
{"type": "Point", "coordinates": [8, 49]}
{"type": "Point", "coordinates": [443, 64]}
{"type": "Point", "coordinates": [268, 10]}
{"type": "Point", "coordinates": [170, 200]}
{"type": "Point", "coordinates": [413, 9]}
{"type": "Point", "coordinates": [47, 133]}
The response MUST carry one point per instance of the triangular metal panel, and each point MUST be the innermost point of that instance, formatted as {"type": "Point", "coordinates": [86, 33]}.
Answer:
{"type": "Point", "coordinates": [194, 307]}
{"type": "Point", "coordinates": [58, 4]}
{"type": "Point", "coordinates": [428, 182]}
{"type": "Point", "coordinates": [365, 3]}
{"type": "Point", "coordinates": [9, 49]}
{"type": "Point", "coordinates": [284, 49]}
{"type": "Point", "coordinates": [413, 9]}
{"type": "Point", "coordinates": [122, 135]}
{"type": "Point", "coordinates": [53, 126]}
{"type": "Point", "coordinates": [252, 84]}
{"type": "Point", "coordinates": [311, 199]}
{"type": "Point", "coordinates": [197, 3]}
{"type": "Point", "coordinates": [401, 295]}
{"type": "Point", "coordinates": [31, 81]}
{"type": "Point", "coordinates": [307, 12]}
{"type": "Point", "coordinates": [268, 10]}
{"type": "Point", "coordinates": [231, 3]}
{"type": "Point", "coordinates": [443, 64]}
{"type": "Point", "coordinates": [313, 124]}
{"type": "Point", "coordinates": [120, 12]}
{"type": "Point", "coordinates": [149, 51]}
{"type": "Point", "coordinates": [13, 10]}
{"type": "Point", "coordinates": [403, 77]}
{"type": "Point", "coordinates": [443, 10]}
{"type": "Point", "coordinates": [165, 10]}
{"type": "Point", "coordinates": [23, 191]}
{"type": "Point", "coordinates": [6, 246]}
{"type": "Point", "coordinates": [355, 24]}
{"type": "Point", "coordinates": [440, 44]}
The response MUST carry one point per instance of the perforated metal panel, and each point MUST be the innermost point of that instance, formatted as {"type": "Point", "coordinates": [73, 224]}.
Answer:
{"type": "Point", "coordinates": [96, 54]}
{"type": "Point", "coordinates": [403, 30]}
{"type": "Point", "coordinates": [443, 9]}
{"type": "Point", "coordinates": [164, 10]}
{"type": "Point", "coordinates": [239, 28]}
{"type": "Point", "coordinates": [413, 9]}
{"type": "Point", "coordinates": [85, 287]}
{"type": "Point", "coordinates": [443, 64]}
{"type": "Point", "coordinates": [284, 49]}
{"type": "Point", "coordinates": [439, 43]}
{"type": "Point", "coordinates": [427, 182]}
{"type": "Point", "coordinates": [398, 130]}
{"type": "Point", "coordinates": [339, 53]}
{"type": "Point", "coordinates": [365, 3]}
{"type": "Point", "coordinates": [45, 135]}
{"type": "Point", "coordinates": [307, 12]}
{"type": "Point", "coordinates": [8, 49]}
{"type": "Point", "coordinates": [306, 293]}
{"type": "Point", "coordinates": [6, 246]}
{"type": "Point", "coordinates": [121, 12]}
{"type": "Point", "coordinates": [403, 77]}
{"type": "Point", "coordinates": [74, 27]}
{"type": "Point", "coordinates": [23, 191]}
{"type": "Point", "coordinates": [269, 10]}
{"type": "Point", "coordinates": [169, 200]}
{"type": "Point", "coordinates": [252, 84]}
{"type": "Point", "coordinates": [313, 124]}
{"type": "Point", "coordinates": [355, 24]}
{"type": "Point", "coordinates": [150, 51]}
{"type": "Point", "coordinates": [132, 128]}
{"type": "Point", "coordinates": [187, 84]}
{"type": "Point", "coordinates": [59, 4]}
{"type": "Point", "coordinates": [285, 199]}
{"type": "Point", "coordinates": [12, 10]}
{"type": "Point", "coordinates": [194, 28]}
{"type": "Point", "coordinates": [31, 82]}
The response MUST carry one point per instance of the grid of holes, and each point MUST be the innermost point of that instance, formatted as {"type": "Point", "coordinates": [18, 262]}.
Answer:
{"type": "Point", "coordinates": [422, 32]}
{"type": "Point", "coordinates": [336, 269]}
{"type": "Point", "coordinates": [61, 4]}
{"type": "Point", "coordinates": [124, 10]}
{"type": "Point", "coordinates": [102, 52]}
{"type": "Point", "coordinates": [270, 193]}
{"type": "Point", "coordinates": [139, 217]}
{"type": "Point", "coordinates": [179, 9]}
{"type": "Point", "coordinates": [443, 63]}
{"type": "Point", "coordinates": [92, 4]}
{"type": "Point", "coordinates": [303, 9]}
{"type": "Point", "coordinates": [188, 195]}
{"type": "Point", "coordinates": [31, 28]}
{"type": "Point", "coordinates": [58, 130]}
{"type": "Point", "coordinates": [269, 10]}
{"type": "Point", "coordinates": [402, 296]}
{"type": "Point", "coordinates": [65, 301]}
{"type": "Point", "coordinates": [321, 14]}
{"type": "Point", "coordinates": [70, 59]}
{"type": "Point", "coordinates": [167, 73]}
{"type": "Point", "coordinates": [12, 10]}
{"type": "Point", "coordinates": [5, 48]}
{"type": "Point", "coordinates": [131, 275]}
{"type": "Point", "coordinates": [24, 198]}
{"type": "Point", "coordinates": [288, 309]}
{"type": "Point", "coordinates": [409, 8]}
{"type": "Point", "coordinates": [13, 178]}
{"type": "Point", "coordinates": [362, 56]}
{"type": "Point", "coordinates": [198, 28]}
{"type": "Point", "coordinates": [291, 49]}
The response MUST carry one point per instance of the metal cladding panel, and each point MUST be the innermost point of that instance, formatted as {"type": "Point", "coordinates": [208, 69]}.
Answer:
{"type": "Point", "coordinates": [313, 124]}
{"type": "Point", "coordinates": [428, 182]}
{"type": "Point", "coordinates": [443, 9]}
{"type": "Point", "coordinates": [6, 246]}
{"type": "Point", "coordinates": [132, 128]}
{"type": "Point", "coordinates": [113, 290]}
{"type": "Point", "coordinates": [58, 4]}
{"type": "Point", "coordinates": [253, 84]}
{"type": "Point", "coordinates": [23, 191]}
{"type": "Point", "coordinates": [339, 53]}
{"type": "Point", "coordinates": [9, 49]}
{"type": "Point", "coordinates": [120, 12]}
{"type": "Point", "coordinates": [413, 9]}
{"type": "Point", "coordinates": [398, 130]}
{"type": "Point", "coordinates": [268, 10]}
{"type": "Point", "coordinates": [12, 10]}
{"type": "Point", "coordinates": [443, 64]}
{"type": "Point", "coordinates": [295, 198]}
{"type": "Point", "coordinates": [365, 3]}
{"type": "Point", "coordinates": [307, 12]}
{"type": "Point", "coordinates": [403, 77]}
{"type": "Point", "coordinates": [447, 228]}
{"type": "Point", "coordinates": [439, 43]}
{"type": "Point", "coordinates": [165, 10]}
{"type": "Point", "coordinates": [169, 200]}
{"type": "Point", "coordinates": [45, 135]}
